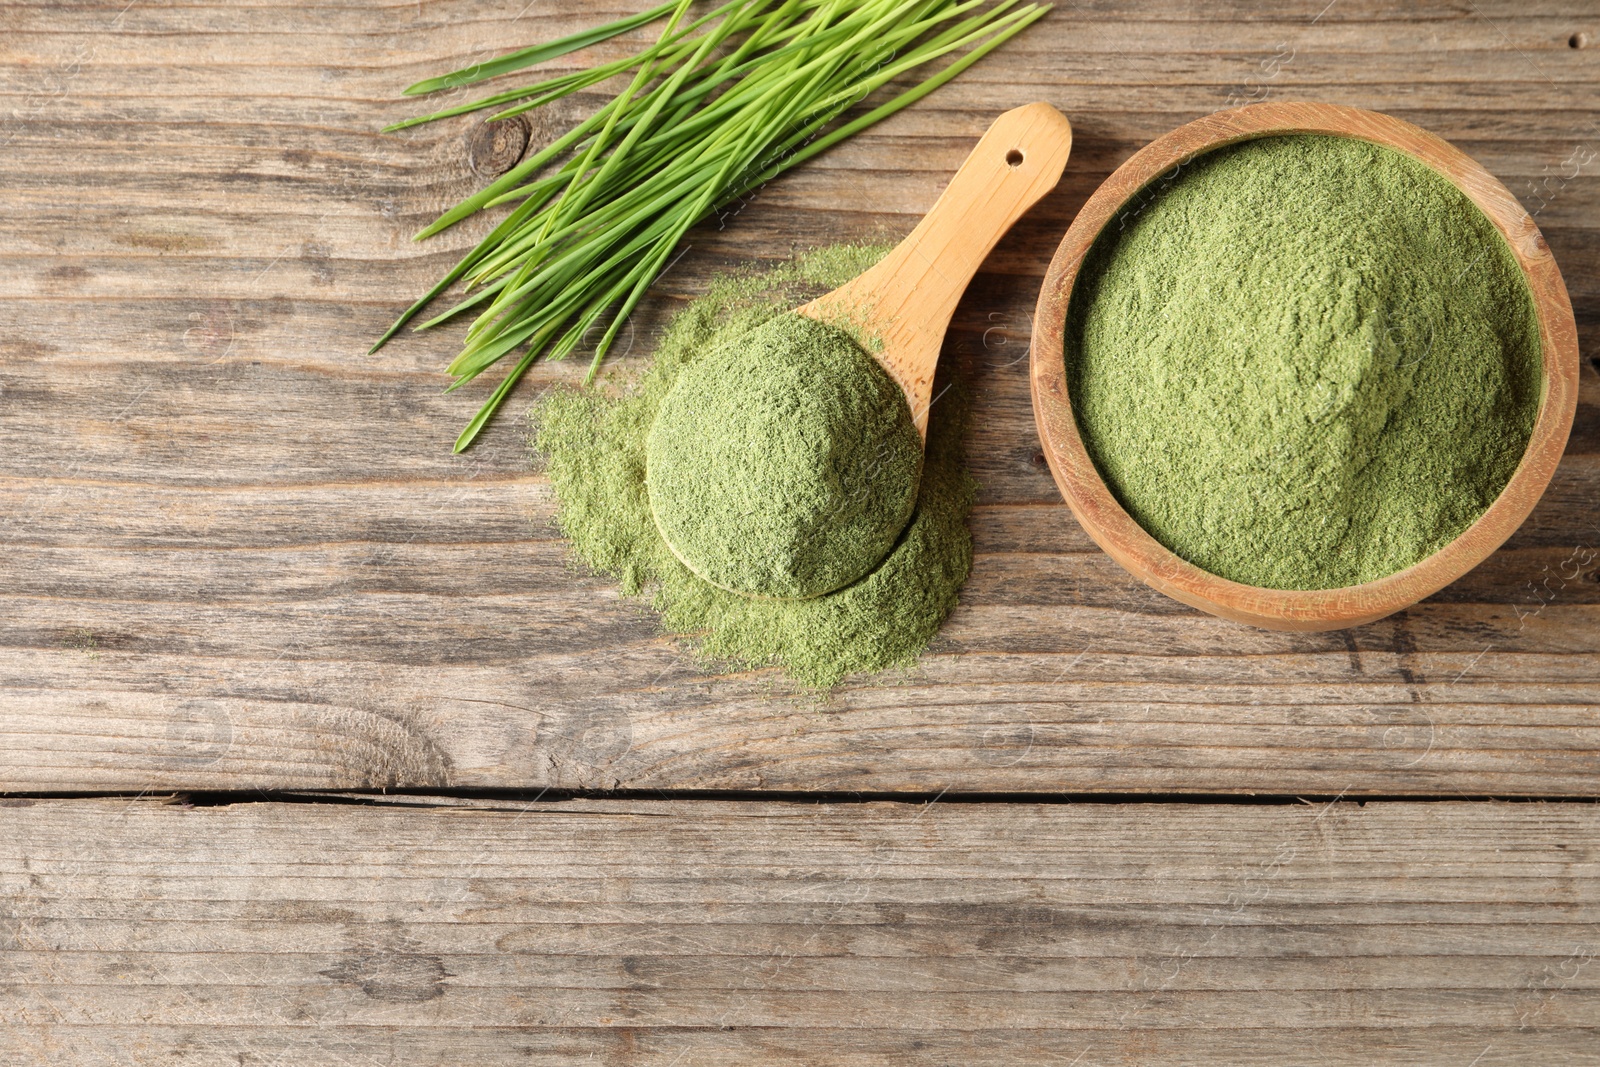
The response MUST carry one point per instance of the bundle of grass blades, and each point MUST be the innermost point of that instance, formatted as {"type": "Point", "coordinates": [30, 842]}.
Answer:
{"type": "Point", "coordinates": [717, 106]}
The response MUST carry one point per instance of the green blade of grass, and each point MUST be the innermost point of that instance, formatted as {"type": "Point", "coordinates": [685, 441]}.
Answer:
{"type": "Point", "coordinates": [527, 57]}
{"type": "Point", "coordinates": [710, 113]}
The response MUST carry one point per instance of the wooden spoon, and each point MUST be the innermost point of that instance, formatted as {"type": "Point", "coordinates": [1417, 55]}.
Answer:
{"type": "Point", "coordinates": [902, 306]}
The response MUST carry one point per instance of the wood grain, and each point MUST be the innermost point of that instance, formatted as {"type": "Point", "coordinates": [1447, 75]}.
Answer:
{"type": "Point", "coordinates": [238, 553]}
{"type": "Point", "coordinates": [708, 933]}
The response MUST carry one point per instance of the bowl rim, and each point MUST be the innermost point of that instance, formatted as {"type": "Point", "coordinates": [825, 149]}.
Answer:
{"type": "Point", "coordinates": [1103, 517]}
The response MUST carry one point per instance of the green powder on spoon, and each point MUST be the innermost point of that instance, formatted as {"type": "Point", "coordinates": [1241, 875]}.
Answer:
{"type": "Point", "coordinates": [1303, 362]}
{"type": "Point", "coordinates": [597, 450]}
{"type": "Point", "coordinates": [784, 463]}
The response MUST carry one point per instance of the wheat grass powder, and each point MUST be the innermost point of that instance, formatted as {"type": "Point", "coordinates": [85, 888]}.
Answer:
{"type": "Point", "coordinates": [784, 463]}
{"type": "Point", "coordinates": [595, 445]}
{"type": "Point", "coordinates": [1303, 362]}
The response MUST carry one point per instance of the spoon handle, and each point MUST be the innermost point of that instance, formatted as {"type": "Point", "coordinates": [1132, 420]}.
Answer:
{"type": "Point", "coordinates": [904, 303]}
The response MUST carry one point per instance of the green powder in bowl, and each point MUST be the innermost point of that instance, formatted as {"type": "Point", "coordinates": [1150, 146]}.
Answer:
{"type": "Point", "coordinates": [1303, 362]}
{"type": "Point", "coordinates": [784, 463]}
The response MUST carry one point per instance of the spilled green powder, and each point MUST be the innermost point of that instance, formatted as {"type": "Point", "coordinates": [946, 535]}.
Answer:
{"type": "Point", "coordinates": [595, 449]}
{"type": "Point", "coordinates": [785, 462]}
{"type": "Point", "coordinates": [1303, 362]}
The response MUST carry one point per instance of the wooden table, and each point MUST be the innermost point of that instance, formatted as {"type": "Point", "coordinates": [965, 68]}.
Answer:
{"type": "Point", "coordinates": [320, 751]}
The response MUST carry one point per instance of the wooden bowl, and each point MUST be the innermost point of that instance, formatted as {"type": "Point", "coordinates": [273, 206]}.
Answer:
{"type": "Point", "coordinates": [1097, 509]}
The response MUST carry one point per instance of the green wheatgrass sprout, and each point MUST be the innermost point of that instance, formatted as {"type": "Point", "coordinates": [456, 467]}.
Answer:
{"type": "Point", "coordinates": [716, 107]}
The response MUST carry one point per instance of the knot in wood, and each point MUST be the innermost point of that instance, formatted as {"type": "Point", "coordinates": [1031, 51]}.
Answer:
{"type": "Point", "coordinates": [495, 147]}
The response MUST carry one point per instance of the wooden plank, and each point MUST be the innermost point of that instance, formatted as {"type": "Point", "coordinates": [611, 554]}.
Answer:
{"type": "Point", "coordinates": [238, 553]}
{"type": "Point", "coordinates": [709, 933]}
